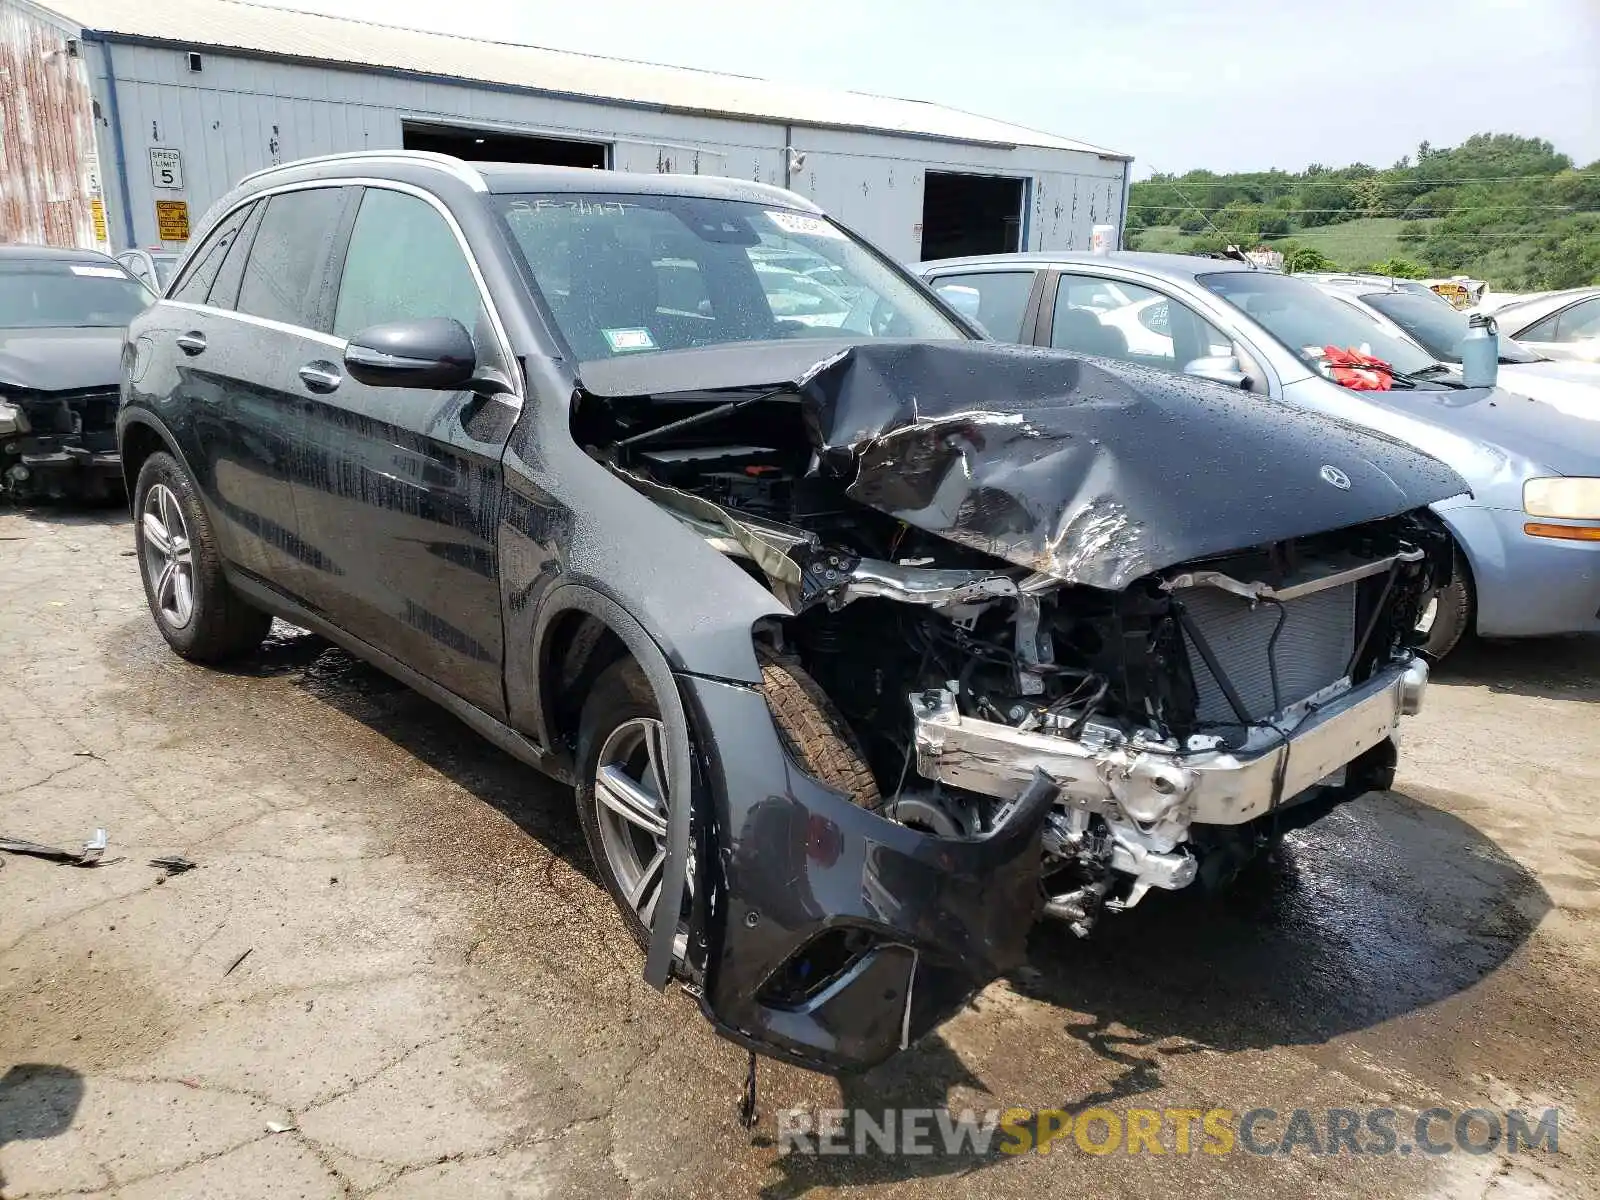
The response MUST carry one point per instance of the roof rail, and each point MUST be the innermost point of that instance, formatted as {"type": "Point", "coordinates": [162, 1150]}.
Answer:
{"type": "Point", "coordinates": [422, 158]}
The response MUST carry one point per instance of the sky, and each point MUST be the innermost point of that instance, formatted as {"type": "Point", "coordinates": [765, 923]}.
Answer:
{"type": "Point", "coordinates": [1230, 85]}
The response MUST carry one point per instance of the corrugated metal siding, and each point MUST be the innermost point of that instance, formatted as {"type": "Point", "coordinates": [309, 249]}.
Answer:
{"type": "Point", "coordinates": [241, 114]}
{"type": "Point", "coordinates": [874, 183]}
{"type": "Point", "coordinates": [49, 173]}
{"type": "Point", "coordinates": [225, 24]}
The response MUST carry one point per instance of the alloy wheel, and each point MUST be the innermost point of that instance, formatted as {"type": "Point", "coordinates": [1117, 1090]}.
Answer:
{"type": "Point", "coordinates": [631, 807]}
{"type": "Point", "coordinates": [168, 558]}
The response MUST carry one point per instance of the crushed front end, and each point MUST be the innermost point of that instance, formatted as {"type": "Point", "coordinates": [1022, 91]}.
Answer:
{"type": "Point", "coordinates": [59, 444]}
{"type": "Point", "coordinates": [1077, 665]}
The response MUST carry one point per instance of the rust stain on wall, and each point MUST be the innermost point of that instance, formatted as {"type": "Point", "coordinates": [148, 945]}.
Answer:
{"type": "Point", "coordinates": [49, 173]}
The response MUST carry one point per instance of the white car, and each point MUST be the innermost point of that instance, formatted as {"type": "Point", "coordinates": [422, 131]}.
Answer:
{"type": "Point", "coordinates": [1572, 387]}
{"type": "Point", "coordinates": [1562, 325]}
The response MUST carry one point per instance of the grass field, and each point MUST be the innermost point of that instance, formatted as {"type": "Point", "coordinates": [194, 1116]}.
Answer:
{"type": "Point", "coordinates": [1351, 244]}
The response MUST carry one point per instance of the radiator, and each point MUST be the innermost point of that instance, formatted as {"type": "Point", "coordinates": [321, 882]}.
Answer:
{"type": "Point", "coordinates": [1312, 649]}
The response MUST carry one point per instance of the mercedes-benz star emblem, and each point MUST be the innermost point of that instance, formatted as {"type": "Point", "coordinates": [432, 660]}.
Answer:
{"type": "Point", "coordinates": [1332, 474]}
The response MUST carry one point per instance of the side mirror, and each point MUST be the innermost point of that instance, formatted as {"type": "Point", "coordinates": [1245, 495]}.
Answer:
{"type": "Point", "coordinates": [1219, 368]}
{"type": "Point", "coordinates": [435, 354]}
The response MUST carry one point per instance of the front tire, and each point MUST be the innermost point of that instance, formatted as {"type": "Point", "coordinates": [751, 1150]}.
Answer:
{"type": "Point", "coordinates": [623, 772]}
{"type": "Point", "coordinates": [1448, 616]}
{"type": "Point", "coordinates": [202, 618]}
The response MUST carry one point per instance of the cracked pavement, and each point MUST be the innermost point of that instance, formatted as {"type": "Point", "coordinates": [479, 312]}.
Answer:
{"type": "Point", "coordinates": [439, 1000]}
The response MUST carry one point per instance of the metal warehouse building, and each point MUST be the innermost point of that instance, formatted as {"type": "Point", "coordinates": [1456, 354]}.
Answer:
{"type": "Point", "coordinates": [121, 121]}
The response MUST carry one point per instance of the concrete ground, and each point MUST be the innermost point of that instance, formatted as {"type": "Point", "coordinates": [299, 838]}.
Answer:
{"type": "Point", "coordinates": [393, 973]}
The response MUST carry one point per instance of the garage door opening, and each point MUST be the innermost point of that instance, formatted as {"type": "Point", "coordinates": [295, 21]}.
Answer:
{"type": "Point", "coordinates": [481, 145]}
{"type": "Point", "coordinates": [970, 214]}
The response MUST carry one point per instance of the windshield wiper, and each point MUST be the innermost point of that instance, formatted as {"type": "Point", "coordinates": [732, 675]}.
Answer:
{"type": "Point", "coordinates": [1431, 373]}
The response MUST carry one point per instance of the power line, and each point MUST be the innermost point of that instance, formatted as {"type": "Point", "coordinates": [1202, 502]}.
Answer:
{"type": "Point", "coordinates": [1469, 208]}
{"type": "Point", "coordinates": [1585, 173]}
{"type": "Point", "coordinates": [1320, 231]}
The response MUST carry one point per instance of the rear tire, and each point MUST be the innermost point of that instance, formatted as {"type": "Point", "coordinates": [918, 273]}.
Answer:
{"type": "Point", "coordinates": [202, 618]}
{"type": "Point", "coordinates": [1452, 610]}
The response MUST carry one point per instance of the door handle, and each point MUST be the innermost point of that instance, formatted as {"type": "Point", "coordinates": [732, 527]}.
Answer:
{"type": "Point", "coordinates": [320, 377]}
{"type": "Point", "coordinates": [191, 343]}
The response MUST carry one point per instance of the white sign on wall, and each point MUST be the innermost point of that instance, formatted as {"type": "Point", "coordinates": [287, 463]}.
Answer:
{"type": "Point", "coordinates": [166, 168]}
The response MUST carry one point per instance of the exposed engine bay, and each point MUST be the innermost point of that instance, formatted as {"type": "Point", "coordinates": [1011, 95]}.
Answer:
{"type": "Point", "coordinates": [56, 444]}
{"type": "Point", "coordinates": [973, 636]}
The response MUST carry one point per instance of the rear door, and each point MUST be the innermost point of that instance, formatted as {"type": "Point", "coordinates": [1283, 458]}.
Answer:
{"type": "Point", "coordinates": [235, 443]}
{"type": "Point", "coordinates": [263, 316]}
{"type": "Point", "coordinates": [400, 488]}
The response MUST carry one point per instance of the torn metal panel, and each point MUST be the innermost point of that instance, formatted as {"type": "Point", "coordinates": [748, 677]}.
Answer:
{"type": "Point", "coordinates": [91, 855]}
{"type": "Point", "coordinates": [767, 543]}
{"type": "Point", "coordinates": [1057, 464]}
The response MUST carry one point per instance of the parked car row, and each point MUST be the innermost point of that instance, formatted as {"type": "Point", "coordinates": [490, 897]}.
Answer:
{"type": "Point", "coordinates": [1527, 538]}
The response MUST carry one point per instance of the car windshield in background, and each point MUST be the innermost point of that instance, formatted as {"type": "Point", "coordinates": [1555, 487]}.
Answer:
{"type": "Point", "coordinates": [1306, 319]}
{"type": "Point", "coordinates": [633, 274]}
{"type": "Point", "coordinates": [49, 294]}
{"type": "Point", "coordinates": [1438, 327]}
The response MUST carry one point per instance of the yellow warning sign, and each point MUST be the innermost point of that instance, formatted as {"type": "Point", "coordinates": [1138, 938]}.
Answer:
{"type": "Point", "coordinates": [97, 212]}
{"type": "Point", "coordinates": [172, 220]}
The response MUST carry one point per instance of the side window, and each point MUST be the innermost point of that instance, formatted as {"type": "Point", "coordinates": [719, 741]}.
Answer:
{"type": "Point", "coordinates": [404, 262]}
{"type": "Point", "coordinates": [225, 290]}
{"type": "Point", "coordinates": [1543, 331]}
{"type": "Point", "coordinates": [1114, 319]}
{"type": "Point", "coordinates": [207, 260]}
{"type": "Point", "coordinates": [1580, 321]}
{"type": "Point", "coordinates": [284, 277]}
{"type": "Point", "coordinates": [997, 300]}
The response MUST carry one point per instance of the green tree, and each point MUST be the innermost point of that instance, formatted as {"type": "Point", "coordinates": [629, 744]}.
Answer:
{"type": "Point", "coordinates": [1398, 268]}
{"type": "Point", "coordinates": [1307, 258]}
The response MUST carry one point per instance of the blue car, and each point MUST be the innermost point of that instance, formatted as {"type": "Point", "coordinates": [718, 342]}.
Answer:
{"type": "Point", "coordinates": [1528, 537]}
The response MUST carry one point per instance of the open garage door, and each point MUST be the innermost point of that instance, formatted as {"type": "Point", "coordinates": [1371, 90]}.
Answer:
{"type": "Point", "coordinates": [971, 214]}
{"type": "Point", "coordinates": [482, 145]}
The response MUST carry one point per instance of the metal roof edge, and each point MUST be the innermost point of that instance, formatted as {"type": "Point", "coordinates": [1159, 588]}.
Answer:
{"type": "Point", "coordinates": [138, 39]}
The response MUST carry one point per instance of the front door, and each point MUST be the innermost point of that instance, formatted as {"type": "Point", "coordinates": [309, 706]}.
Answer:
{"type": "Point", "coordinates": [399, 489]}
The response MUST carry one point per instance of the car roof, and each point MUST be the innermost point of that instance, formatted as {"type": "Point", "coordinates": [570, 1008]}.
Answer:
{"type": "Point", "coordinates": [1532, 309]}
{"type": "Point", "coordinates": [1176, 266]}
{"type": "Point", "coordinates": [25, 253]}
{"type": "Point", "coordinates": [512, 178]}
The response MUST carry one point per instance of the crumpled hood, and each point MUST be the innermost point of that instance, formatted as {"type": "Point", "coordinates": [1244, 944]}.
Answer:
{"type": "Point", "coordinates": [1521, 426]}
{"type": "Point", "coordinates": [60, 360]}
{"type": "Point", "coordinates": [1091, 474]}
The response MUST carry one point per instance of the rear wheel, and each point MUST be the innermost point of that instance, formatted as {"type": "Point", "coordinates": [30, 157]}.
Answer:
{"type": "Point", "coordinates": [623, 773]}
{"type": "Point", "coordinates": [202, 618]}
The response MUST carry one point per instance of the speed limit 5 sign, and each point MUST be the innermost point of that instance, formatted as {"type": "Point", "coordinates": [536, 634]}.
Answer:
{"type": "Point", "coordinates": [166, 168]}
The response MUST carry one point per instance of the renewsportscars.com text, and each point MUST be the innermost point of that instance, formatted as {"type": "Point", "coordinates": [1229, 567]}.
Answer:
{"type": "Point", "coordinates": [1179, 1131]}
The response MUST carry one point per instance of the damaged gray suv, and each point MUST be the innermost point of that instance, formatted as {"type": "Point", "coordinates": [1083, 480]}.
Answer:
{"type": "Point", "coordinates": [862, 641]}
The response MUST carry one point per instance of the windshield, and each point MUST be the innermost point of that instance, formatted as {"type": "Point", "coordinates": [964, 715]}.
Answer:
{"type": "Point", "coordinates": [46, 294]}
{"type": "Point", "coordinates": [640, 273]}
{"type": "Point", "coordinates": [1438, 327]}
{"type": "Point", "coordinates": [1306, 319]}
